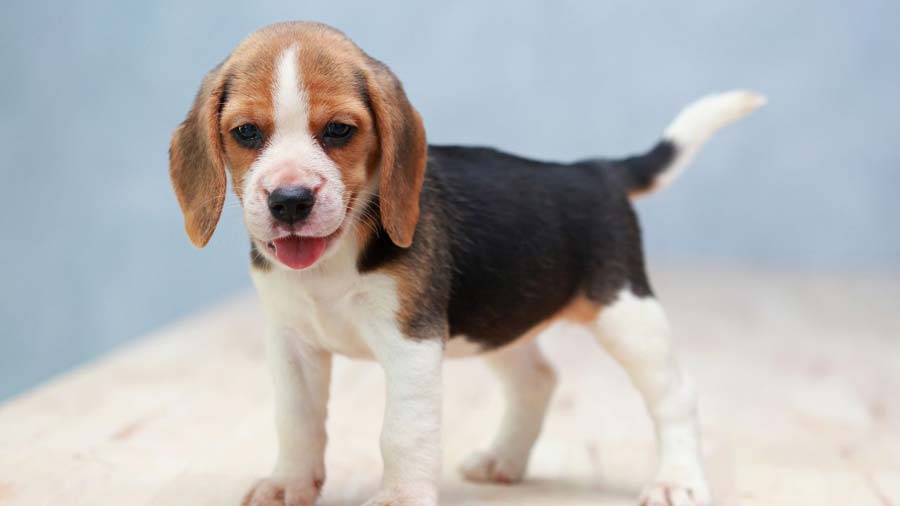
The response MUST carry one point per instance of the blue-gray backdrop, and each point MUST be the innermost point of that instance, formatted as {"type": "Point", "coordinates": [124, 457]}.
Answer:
{"type": "Point", "coordinates": [93, 250]}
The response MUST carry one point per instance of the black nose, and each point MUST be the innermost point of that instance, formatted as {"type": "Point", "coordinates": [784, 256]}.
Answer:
{"type": "Point", "coordinates": [291, 204]}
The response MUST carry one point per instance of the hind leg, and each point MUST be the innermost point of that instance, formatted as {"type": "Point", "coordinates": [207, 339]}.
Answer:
{"type": "Point", "coordinates": [635, 332]}
{"type": "Point", "coordinates": [528, 383]}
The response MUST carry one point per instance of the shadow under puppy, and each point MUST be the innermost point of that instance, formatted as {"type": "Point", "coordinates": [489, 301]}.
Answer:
{"type": "Point", "coordinates": [366, 241]}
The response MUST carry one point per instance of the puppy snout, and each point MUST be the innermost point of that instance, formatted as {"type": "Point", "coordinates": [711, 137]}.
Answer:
{"type": "Point", "coordinates": [291, 204]}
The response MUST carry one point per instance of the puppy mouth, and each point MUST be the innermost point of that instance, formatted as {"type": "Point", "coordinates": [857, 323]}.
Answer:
{"type": "Point", "coordinates": [299, 252]}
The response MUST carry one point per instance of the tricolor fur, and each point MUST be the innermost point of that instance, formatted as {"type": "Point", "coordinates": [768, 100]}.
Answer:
{"type": "Point", "coordinates": [367, 242]}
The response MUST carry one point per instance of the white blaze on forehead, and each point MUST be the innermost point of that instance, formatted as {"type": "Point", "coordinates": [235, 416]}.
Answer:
{"type": "Point", "coordinates": [290, 101]}
{"type": "Point", "coordinates": [292, 156]}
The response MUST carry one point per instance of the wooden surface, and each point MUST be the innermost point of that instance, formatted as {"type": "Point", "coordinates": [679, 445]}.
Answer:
{"type": "Point", "coordinates": [800, 404]}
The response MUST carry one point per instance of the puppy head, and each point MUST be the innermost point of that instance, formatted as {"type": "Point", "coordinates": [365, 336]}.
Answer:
{"type": "Point", "coordinates": [309, 127]}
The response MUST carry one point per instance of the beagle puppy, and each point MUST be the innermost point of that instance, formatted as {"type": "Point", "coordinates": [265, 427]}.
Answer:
{"type": "Point", "coordinates": [366, 241]}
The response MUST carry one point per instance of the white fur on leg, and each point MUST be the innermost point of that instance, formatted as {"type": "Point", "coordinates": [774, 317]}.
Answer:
{"type": "Point", "coordinates": [349, 313]}
{"type": "Point", "coordinates": [635, 331]}
{"type": "Point", "coordinates": [301, 376]}
{"type": "Point", "coordinates": [528, 383]}
{"type": "Point", "coordinates": [411, 434]}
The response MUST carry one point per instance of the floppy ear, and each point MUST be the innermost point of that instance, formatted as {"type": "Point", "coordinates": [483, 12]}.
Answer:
{"type": "Point", "coordinates": [196, 164]}
{"type": "Point", "coordinates": [403, 153]}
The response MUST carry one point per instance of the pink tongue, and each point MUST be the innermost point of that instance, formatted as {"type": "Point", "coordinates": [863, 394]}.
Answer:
{"type": "Point", "coordinates": [299, 252]}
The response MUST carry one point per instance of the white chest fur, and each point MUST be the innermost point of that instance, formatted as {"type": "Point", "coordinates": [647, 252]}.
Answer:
{"type": "Point", "coordinates": [329, 304]}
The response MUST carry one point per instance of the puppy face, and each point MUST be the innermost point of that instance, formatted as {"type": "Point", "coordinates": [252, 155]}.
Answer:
{"type": "Point", "coordinates": [309, 127]}
{"type": "Point", "coordinates": [299, 158]}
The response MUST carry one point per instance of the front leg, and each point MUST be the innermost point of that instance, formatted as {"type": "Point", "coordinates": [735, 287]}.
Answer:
{"type": "Point", "coordinates": [301, 375]}
{"type": "Point", "coordinates": [411, 434]}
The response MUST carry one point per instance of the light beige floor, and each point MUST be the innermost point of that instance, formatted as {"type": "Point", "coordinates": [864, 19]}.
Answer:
{"type": "Point", "coordinates": [800, 402]}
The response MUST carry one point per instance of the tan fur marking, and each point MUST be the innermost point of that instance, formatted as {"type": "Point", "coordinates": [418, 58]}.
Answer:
{"type": "Point", "coordinates": [328, 65]}
{"type": "Point", "coordinates": [580, 310]}
{"type": "Point", "coordinates": [411, 274]}
{"type": "Point", "coordinates": [196, 167]}
{"type": "Point", "coordinates": [331, 67]}
{"type": "Point", "coordinates": [410, 287]}
{"type": "Point", "coordinates": [403, 153]}
{"type": "Point", "coordinates": [342, 84]}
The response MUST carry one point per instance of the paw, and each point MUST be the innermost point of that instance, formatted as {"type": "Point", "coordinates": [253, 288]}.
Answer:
{"type": "Point", "coordinates": [425, 495]}
{"type": "Point", "coordinates": [672, 494]}
{"type": "Point", "coordinates": [283, 492]}
{"type": "Point", "coordinates": [493, 467]}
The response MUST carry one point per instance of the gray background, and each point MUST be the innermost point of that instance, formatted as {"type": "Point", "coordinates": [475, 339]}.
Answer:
{"type": "Point", "coordinates": [93, 249]}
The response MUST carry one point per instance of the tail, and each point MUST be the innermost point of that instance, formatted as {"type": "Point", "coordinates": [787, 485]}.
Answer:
{"type": "Point", "coordinates": [651, 171]}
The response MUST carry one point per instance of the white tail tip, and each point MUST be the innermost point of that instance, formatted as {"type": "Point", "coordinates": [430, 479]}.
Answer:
{"type": "Point", "coordinates": [699, 120]}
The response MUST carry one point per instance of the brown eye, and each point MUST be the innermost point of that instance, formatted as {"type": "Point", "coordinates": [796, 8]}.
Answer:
{"type": "Point", "coordinates": [337, 134]}
{"type": "Point", "coordinates": [248, 136]}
